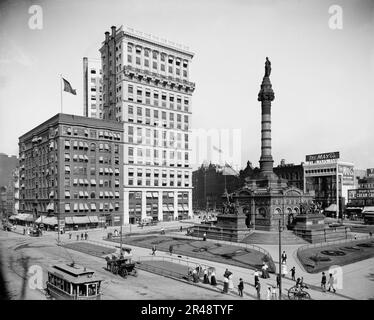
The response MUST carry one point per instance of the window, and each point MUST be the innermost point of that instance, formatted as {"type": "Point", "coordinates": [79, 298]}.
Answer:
{"type": "Point", "coordinates": [131, 151]}
{"type": "Point", "coordinates": [154, 65]}
{"type": "Point", "coordinates": [138, 60]}
{"type": "Point", "coordinates": [129, 48]}
{"type": "Point", "coordinates": [130, 89]}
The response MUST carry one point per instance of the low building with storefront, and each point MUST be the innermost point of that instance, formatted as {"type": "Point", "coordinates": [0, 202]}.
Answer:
{"type": "Point", "coordinates": [71, 170]}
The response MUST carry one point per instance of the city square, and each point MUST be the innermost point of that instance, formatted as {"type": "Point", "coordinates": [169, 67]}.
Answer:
{"type": "Point", "coordinates": [136, 179]}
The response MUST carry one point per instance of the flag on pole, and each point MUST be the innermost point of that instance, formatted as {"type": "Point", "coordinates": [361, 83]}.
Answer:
{"type": "Point", "coordinates": [229, 171]}
{"type": "Point", "coordinates": [217, 149]}
{"type": "Point", "coordinates": [68, 87]}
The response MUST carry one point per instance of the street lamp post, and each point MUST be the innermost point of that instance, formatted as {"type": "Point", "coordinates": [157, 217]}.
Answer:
{"type": "Point", "coordinates": [280, 259]}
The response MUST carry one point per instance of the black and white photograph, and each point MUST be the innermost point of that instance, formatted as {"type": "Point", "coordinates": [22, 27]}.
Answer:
{"type": "Point", "coordinates": [212, 151]}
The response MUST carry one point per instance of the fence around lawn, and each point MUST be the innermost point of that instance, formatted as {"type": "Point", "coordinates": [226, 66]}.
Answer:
{"type": "Point", "coordinates": [329, 243]}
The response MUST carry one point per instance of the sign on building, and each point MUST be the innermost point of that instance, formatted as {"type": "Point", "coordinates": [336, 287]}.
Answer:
{"type": "Point", "coordinates": [370, 172]}
{"type": "Point", "coordinates": [347, 172]}
{"type": "Point", "coordinates": [360, 194]}
{"type": "Point", "coordinates": [322, 156]}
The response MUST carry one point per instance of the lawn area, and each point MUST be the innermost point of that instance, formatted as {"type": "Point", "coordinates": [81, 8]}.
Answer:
{"type": "Point", "coordinates": [319, 258]}
{"type": "Point", "coordinates": [89, 248]}
{"type": "Point", "coordinates": [228, 254]}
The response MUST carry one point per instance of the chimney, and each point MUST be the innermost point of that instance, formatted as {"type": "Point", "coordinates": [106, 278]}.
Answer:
{"type": "Point", "coordinates": [113, 31]}
{"type": "Point", "coordinates": [106, 36]}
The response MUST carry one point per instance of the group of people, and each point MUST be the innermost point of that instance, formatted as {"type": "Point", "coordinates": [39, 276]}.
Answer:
{"type": "Point", "coordinates": [83, 236]}
{"type": "Point", "coordinates": [208, 278]}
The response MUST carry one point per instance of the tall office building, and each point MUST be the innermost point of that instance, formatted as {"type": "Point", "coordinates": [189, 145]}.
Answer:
{"type": "Point", "coordinates": [146, 86]}
{"type": "Point", "coordinates": [92, 88]}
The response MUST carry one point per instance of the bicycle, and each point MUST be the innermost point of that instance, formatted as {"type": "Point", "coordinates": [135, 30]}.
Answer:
{"type": "Point", "coordinates": [295, 293]}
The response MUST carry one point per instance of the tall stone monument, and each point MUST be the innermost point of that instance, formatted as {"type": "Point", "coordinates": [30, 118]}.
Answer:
{"type": "Point", "coordinates": [266, 198]}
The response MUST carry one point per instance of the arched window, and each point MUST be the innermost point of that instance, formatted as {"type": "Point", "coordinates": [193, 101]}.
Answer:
{"type": "Point", "coordinates": [277, 211]}
{"type": "Point", "coordinates": [93, 147]}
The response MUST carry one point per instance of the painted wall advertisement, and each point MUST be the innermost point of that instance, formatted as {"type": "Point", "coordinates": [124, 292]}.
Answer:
{"type": "Point", "coordinates": [347, 172]}
{"type": "Point", "coordinates": [370, 172]}
{"type": "Point", "coordinates": [360, 194]}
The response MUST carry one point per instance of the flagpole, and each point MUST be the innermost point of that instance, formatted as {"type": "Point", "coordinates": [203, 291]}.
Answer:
{"type": "Point", "coordinates": [61, 90]}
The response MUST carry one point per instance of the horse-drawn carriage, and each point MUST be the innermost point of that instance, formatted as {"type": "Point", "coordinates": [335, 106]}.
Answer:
{"type": "Point", "coordinates": [122, 264]}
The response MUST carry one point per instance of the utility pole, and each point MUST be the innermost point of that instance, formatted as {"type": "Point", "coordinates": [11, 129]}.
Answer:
{"type": "Point", "coordinates": [280, 259]}
{"type": "Point", "coordinates": [120, 247]}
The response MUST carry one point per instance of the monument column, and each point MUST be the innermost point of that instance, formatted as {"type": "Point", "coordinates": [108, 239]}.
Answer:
{"type": "Point", "coordinates": [266, 96]}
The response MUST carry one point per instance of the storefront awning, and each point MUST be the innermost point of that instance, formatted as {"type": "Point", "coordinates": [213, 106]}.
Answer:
{"type": "Point", "coordinates": [93, 219]}
{"type": "Point", "coordinates": [69, 220]}
{"type": "Point", "coordinates": [331, 207]}
{"type": "Point", "coordinates": [81, 220]}
{"type": "Point", "coordinates": [368, 210]}
{"type": "Point", "coordinates": [25, 217]}
{"type": "Point", "coordinates": [51, 221]}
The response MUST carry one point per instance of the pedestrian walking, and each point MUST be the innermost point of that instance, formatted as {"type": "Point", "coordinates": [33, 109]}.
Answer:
{"type": "Point", "coordinates": [86, 236]}
{"type": "Point", "coordinates": [293, 271]}
{"type": "Point", "coordinates": [181, 229]}
{"type": "Point", "coordinates": [265, 273]}
{"type": "Point", "coordinates": [171, 249]}
{"type": "Point", "coordinates": [77, 237]}
{"type": "Point", "coordinates": [24, 231]}
{"type": "Point", "coordinates": [278, 280]}
{"type": "Point", "coordinates": [82, 236]}
{"type": "Point", "coordinates": [231, 283]}
{"type": "Point", "coordinates": [213, 280]}
{"type": "Point", "coordinates": [268, 293]}
{"type": "Point", "coordinates": [323, 282]}
{"type": "Point", "coordinates": [154, 250]}
{"type": "Point", "coordinates": [204, 236]}
{"type": "Point", "coordinates": [284, 269]}
{"type": "Point", "coordinates": [206, 277]}
{"type": "Point", "coordinates": [69, 235]}
{"type": "Point", "coordinates": [331, 283]}
{"type": "Point", "coordinates": [273, 293]}
{"type": "Point", "coordinates": [256, 275]}
{"type": "Point", "coordinates": [240, 287]}
{"type": "Point", "coordinates": [284, 257]}
{"type": "Point", "coordinates": [258, 290]}
{"type": "Point", "coordinates": [195, 276]}
{"type": "Point", "coordinates": [225, 285]}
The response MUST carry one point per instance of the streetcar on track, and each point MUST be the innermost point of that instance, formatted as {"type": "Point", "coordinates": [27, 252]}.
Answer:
{"type": "Point", "coordinates": [73, 282]}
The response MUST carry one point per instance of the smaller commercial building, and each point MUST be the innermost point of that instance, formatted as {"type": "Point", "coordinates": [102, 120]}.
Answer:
{"type": "Point", "coordinates": [71, 172]}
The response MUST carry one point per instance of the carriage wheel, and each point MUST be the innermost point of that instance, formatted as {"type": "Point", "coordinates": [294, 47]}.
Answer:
{"type": "Point", "coordinates": [123, 273]}
{"type": "Point", "coordinates": [305, 296]}
{"type": "Point", "coordinates": [115, 270]}
{"type": "Point", "coordinates": [292, 293]}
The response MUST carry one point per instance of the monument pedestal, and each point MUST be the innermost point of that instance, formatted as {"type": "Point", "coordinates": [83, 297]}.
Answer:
{"type": "Point", "coordinates": [312, 228]}
{"type": "Point", "coordinates": [229, 227]}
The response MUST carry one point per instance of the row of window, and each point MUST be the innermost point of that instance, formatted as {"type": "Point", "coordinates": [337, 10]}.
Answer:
{"type": "Point", "coordinates": [157, 183]}
{"type": "Point", "coordinates": [173, 155]}
{"type": "Point", "coordinates": [83, 132]}
{"type": "Point", "coordinates": [92, 206]}
{"type": "Point", "coordinates": [82, 145]}
{"type": "Point", "coordinates": [92, 194]}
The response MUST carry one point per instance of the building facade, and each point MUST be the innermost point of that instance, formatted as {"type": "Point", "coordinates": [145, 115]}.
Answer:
{"type": "Point", "coordinates": [330, 179]}
{"type": "Point", "coordinates": [70, 169]}
{"type": "Point", "coordinates": [92, 88]}
{"type": "Point", "coordinates": [209, 187]}
{"type": "Point", "coordinates": [146, 86]}
{"type": "Point", "coordinates": [7, 165]}
{"type": "Point", "coordinates": [13, 194]}
{"type": "Point", "coordinates": [294, 174]}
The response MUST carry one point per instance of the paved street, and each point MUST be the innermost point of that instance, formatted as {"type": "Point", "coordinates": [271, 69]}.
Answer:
{"type": "Point", "coordinates": [357, 277]}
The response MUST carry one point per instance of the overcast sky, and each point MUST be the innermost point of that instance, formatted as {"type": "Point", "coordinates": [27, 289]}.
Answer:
{"type": "Point", "coordinates": [323, 78]}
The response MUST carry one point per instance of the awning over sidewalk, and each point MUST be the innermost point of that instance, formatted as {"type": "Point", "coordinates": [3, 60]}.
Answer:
{"type": "Point", "coordinates": [51, 221]}
{"type": "Point", "coordinates": [81, 220]}
{"type": "Point", "coordinates": [24, 217]}
{"type": "Point", "coordinates": [93, 219]}
{"type": "Point", "coordinates": [368, 210]}
{"type": "Point", "coordinates": [331, 207]}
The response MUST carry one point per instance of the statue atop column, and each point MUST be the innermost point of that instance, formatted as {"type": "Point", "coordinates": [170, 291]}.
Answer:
{"type": "Point", "coordinates": [267, 67]}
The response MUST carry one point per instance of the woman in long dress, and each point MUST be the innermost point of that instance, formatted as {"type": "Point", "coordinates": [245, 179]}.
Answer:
{"type": "Point", "coordinates": [225, 285]}
{"type": "Point", "coordinates": [213, 280]}
{"type": "Point", "coordinates": [206, 278]}
{"type": "Point", "coordinates": [231, 283]}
